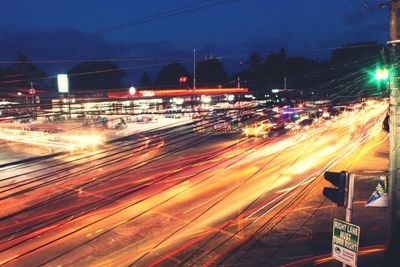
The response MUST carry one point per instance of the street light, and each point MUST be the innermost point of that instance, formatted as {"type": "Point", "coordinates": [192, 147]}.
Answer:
{"type": "Point", "coordinates": [132, 90]}
{"type": "Point", "coordinates": [26, 101]}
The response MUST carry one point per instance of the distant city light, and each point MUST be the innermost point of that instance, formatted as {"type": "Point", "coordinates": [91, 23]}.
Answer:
{"type": "Point", "coordinates": [275, 91]}
{"type": "Point", "coordinates": [230, 97]}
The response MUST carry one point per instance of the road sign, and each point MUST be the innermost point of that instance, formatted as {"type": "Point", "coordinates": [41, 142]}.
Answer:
{"type": "Point", "coordinates": [379, 197]}
{"type": "Point", "coordinates": [345, 242]}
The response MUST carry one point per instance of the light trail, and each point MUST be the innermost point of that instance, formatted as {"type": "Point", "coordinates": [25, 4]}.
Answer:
{"type": "Point", "coordinates": [149, 207]}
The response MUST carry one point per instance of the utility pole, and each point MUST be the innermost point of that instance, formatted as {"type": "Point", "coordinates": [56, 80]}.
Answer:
{"type": "Point", "coordinates": [192, 97]}
{"type": "Point", "coordinates": [32, 93]}
{"type": "Point", "coordinates": [194, 68]}
{"type": "Point", "coordinates": [394, 183]}
{"type": "Point", "coordinates": [284, 83]}
{"type": "Point", "coordinates": [394, 6]}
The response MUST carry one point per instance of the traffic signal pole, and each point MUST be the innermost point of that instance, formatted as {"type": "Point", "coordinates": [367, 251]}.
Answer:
{"type": "Point", "coordinates": [350, 198]}
{"type": "Point", "coordinates": [341, 181]}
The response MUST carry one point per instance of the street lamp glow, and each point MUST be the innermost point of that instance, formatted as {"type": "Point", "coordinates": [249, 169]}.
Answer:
{"type": "Point", "coordinates": [19, 93]}
{"type": "Point", "coordinates": [132, 90]}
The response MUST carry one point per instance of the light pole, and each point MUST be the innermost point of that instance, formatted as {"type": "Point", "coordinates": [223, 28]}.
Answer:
{"type": "Point", "coordinates": [132, 92]}
{"type": "Point", "coordinates": [26, 101]}
{"type": "Point", "coordinates": [32, 93]}
{"type": "Point", "coordinates": [194, 68]}
{"type": "Point", "coordinates": [394, 151]}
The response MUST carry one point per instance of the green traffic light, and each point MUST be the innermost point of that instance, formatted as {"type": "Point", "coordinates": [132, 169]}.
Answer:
{"type": "Point", "coordinates": [381, 74]}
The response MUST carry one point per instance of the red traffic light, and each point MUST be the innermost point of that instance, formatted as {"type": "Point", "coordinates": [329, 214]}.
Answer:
{"type": "Point", "coordinates": [183, 79]}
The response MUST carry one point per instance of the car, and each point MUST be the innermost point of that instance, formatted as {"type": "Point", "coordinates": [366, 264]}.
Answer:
{"type": "Point", "coordinates": [173, 115]}
{"type": "Point", "coordinates": [257, 129]}
{"type": "Point", "coordinates": [25, 120]}
{"type": "Point", "coordinates": [306, 122]}
{"type": "Point", "coordinates": [277, 124]}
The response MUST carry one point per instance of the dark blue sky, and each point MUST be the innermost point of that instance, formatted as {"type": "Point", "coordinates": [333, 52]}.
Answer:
{"type": "Point", "coordinates": [73, 29]}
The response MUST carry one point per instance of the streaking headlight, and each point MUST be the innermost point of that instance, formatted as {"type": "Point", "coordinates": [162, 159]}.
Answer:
{"type": "Point", "coordinates": [83, 141]}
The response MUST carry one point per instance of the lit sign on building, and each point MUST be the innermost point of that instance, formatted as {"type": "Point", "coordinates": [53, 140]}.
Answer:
{"type": "Point", "coordinates": [147, 93]}
{"type": "Point", "coordinates": [62, 81]}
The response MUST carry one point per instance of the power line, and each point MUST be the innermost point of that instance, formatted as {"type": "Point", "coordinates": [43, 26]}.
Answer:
{"type": "Point", "coordinates": [171, 13]}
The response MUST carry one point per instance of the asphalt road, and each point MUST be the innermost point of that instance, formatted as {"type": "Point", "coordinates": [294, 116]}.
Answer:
{"type": "Point", "coordinates": [167, 197]}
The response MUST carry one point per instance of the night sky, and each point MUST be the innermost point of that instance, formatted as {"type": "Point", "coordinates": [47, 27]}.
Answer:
{"type": "Point", "coordinates": [91, 29]}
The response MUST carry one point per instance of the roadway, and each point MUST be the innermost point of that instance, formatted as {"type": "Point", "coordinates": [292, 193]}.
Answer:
{"type": "Point", "coordinates": [166, 197]}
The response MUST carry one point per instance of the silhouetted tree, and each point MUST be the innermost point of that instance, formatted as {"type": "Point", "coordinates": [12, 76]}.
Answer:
{"type": "Point", "coordinates": [23, 72]}
{"type": "Point", "coordinates": [275, 68]}
{"type": "Point", "coordinates": [255, 62]}
{"type": "Point", "coordinates": [145, 80]}
{"type": "Point", "coordinates": [210, 72]}
{"type": "Point", "coordinates": [356, 51]}
{"type": "Point", "coordinates": [298, 71]}
{"type": "Point", "coordinates": [169, 75]}
{"type": "Point", "coordinates": [96, 75]}
{"type": "Point", "coordinates": [348, 68]}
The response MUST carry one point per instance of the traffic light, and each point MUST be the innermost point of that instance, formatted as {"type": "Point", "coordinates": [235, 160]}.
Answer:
{"type": "Point", "coordinates": [183, 79]}
{"type": "Point", "coordinates": [381, 74]}
{"type": "Point", "coordinates": [337, 194]}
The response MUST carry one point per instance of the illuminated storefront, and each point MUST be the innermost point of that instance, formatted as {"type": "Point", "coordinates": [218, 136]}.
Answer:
{"type": "Point", "coordinates": [147, 101]}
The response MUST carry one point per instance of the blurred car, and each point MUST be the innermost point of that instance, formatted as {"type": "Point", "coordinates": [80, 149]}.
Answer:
{"type": "Point", "coordinates": [291, 126]}
{"type": "Point", "coordinates": [257, 130]}
{"type": "Point", "coordinates": [173, 114]}
{"type": "Point", "coordinates": [306, 122]}
{"type": "Point", "coordinates": [25, 120]}
{"type": "Point", "coordinates": [277, 124]}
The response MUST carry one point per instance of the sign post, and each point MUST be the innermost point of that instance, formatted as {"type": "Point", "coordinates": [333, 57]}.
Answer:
{"type": "Point", "coordinates": [345, 235]}
{"type": "Point", "coordinates": [350, 198]}
{"type": "Point", "coordinates": [345, 242]}
{"type": "Point", "coordinates": [63, 87]}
